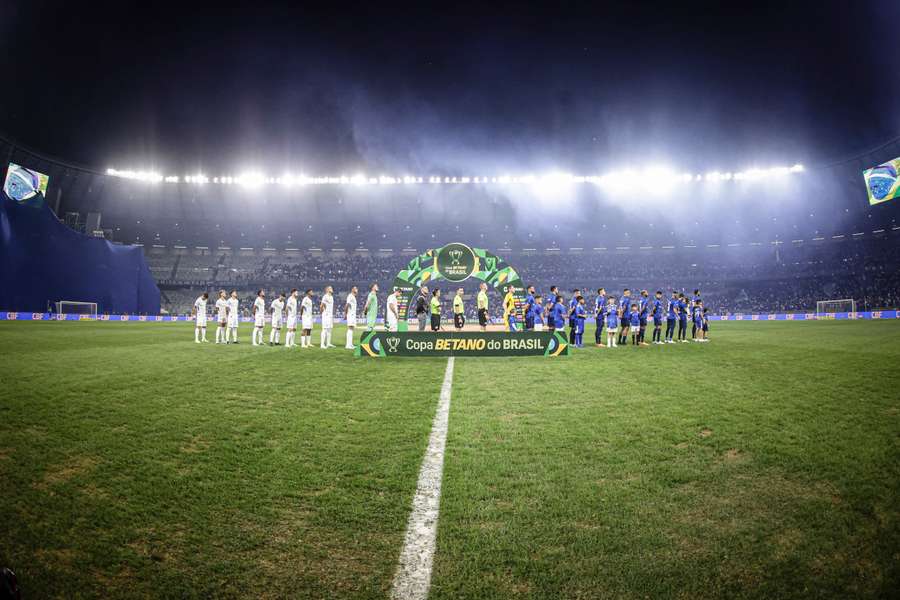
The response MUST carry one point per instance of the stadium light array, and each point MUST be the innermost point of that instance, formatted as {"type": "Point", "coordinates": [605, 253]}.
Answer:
{"type": "Point", "coordinates": [649, 178]}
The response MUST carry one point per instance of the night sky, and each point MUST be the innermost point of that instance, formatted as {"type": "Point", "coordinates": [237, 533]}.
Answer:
{"type": "Point", "coordinates": [338, 87]}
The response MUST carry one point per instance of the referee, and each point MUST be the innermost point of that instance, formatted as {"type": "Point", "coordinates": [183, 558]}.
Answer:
{"type": "Point", "coordinates": [436, 310]}
{"type": "Point", "coordinates": [459, 314]}
{"type": "Point", "coordinates": [482, 302]}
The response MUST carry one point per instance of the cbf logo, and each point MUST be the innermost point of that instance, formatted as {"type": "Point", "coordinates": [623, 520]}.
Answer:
{"type": "Point", "coordinates": [392, 344]}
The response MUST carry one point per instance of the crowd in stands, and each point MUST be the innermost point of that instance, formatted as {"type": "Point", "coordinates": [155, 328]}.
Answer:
{"type": "Point", "coordinates": [790, 279]}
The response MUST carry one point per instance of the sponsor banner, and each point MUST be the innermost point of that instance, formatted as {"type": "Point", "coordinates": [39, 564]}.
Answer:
{"type": "Point", "coordinates": [379, 344]}
{"type": "Point", "coordinates": [841, 316]}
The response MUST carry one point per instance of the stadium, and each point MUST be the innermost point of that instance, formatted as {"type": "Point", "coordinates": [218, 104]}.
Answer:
{"type": "Point", "coordinates": [517, 314]}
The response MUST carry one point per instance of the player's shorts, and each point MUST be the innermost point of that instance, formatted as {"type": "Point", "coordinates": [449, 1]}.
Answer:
{"type": "Point", "coordinates": [277, 321]}
{"type": "Point", "coordinates": [259, 320]}
{"type": "Point", "coordinates": [291, 322]}
{"type": "Point", "coordinates": [538, 326]}
{"type": "Point", "coordinates": [223, 320]}
{"type": "Point", "coordinates": [643, 321]}
{"type": "Point", "coordinates": [233, 321]}
{"type": "Point", "coordinates": [370, 322]}
{"type": "Point", "coordinates": [201, 319]}
{"type": "Point", "coordinates": [351, 320]}
{"type": "Point", "coordinates": [657, 321]}
{"type": "Point", "coordinates": [327, 323]}
{"type": "Point", "coordinates": [482, 316]}
{"type": "Point", "coordinates": [706, 327]}
{"type": "Point", "coordinates": [529, 323]}
{"type": "Point", "coordinates": [391, 325]}
{"type": "Point", "coordinates": [459, 320]}
{"type": "Point", "coordinates": [306, 322]}
{"type": "Point", "coordinates": [512, 323]}
{"type": "Point", "coordinates": [612, 330]}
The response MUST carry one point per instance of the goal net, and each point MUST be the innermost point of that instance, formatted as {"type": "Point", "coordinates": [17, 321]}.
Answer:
{"type": "Point", "coordinates": [72, 307]}
{"type": "Point", "coordinates": [847, 305]}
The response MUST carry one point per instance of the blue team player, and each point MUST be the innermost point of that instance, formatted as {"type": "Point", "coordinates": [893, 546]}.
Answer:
{"type": "Point", "coordinates": [572, 304]}
{"type": "Point", "coordinates": [612, 324]}
{"type": "Point", "coordinates": [657, 312]}
{"type": "Point", "coordinates": [671, 317]}
{"type": "Point", "coordinates": [537, 314]}
{"type": "Point", "coordinates": [644, 304]}
{"type": "Point", "coordinates": [624, 319]}
{"type": "Point", "coordinates": [559, 314]}
{"type": "Point", "coordinates": [698, 321]}
{"type": "Point", "coordinates": [635, 321]}
{"type": "Point", "coordinates": [580, 316]}
{"type": "Point", "coordinates": [682, 318]}
{"type": "Point", "coordinates": [529, 305]}
{"type": "Point", "coordinates": [693, 304]}
{"type": "Point", "coordinates": [599, 315]}
{"type": "Point", "coordinates": [705, 325]}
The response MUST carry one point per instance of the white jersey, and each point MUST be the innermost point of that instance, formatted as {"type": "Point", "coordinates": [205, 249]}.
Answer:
{"type": "Point", "coordinates": [259, 312]}
{"type": "Point", "coordinates": [351, 309]}
{"type": "Point", "coordinates": [277, 311]}
{"type": "Point", "coordinates": [390, 317]}
{"type": "Point", "coordinates": [222, 309]}
{"type": "Point", "coordinates": [328, 311]}
{"type": "Point", "coordinates": [291, 320]}
{"type": "Point", "coordinates": [307, 316]}
{"type": "Point", "coordinates": [200, 306]}
{"type": "Point", "coordinates": [233, 316]}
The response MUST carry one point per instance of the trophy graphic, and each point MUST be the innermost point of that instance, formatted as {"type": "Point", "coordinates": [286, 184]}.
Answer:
{"type": "Point", "coordinates": [393, 343]}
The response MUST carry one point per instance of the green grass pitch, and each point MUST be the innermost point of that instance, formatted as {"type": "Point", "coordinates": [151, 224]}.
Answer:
{"type": "Point", "coordinates": [765, 464]}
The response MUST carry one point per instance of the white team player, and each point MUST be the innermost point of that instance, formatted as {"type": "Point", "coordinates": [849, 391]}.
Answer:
{"type": "Point", "coordinates": [392, 312]}
{"type": "Point", "coordinates": [306, 318]}
{"type": "Point", "coordinates": [234, 318]}
{"type": "Point", "coordinates": [259, 317]}
{"type": "Point", "coordinates": [350, 312]}
{"type": "Point", "coordinates": [291, 323]}
{"type": "Point", "coordinates": [221, 317]}
{"type": "Point", "coordinates": [326, 311]}
{"type": "Point", "coordinates": [200, 314]}
{"type": "Point", "coordinates": [277, 317]}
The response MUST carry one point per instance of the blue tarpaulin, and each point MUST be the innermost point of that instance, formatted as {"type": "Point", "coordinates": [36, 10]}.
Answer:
{"type": "Point", "coordinates": [42, 260]}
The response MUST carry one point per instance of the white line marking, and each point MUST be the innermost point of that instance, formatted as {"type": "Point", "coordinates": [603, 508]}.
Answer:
{"type": "Point", "coordinates": [413, 577]}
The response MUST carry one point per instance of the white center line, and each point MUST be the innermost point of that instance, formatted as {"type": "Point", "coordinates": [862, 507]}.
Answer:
{"type": "Point", "coordinates": [413, 577]}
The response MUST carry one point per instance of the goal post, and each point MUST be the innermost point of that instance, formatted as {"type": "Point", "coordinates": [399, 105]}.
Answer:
{"type": "Point", "coordinates": [845, 305]}
{"type": "Point", "coordinates": [75, 307]}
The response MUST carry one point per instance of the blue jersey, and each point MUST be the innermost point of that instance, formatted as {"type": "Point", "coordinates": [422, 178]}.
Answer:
{"type": "Point", "coordinates": [644, 306]}
{"type": "Point", "coordinates": [572, 304]}
{"type": "Point", "coordinates": [682, 307]}
{"type": "Point", "coordinates": [600, 303]}
{"type": "Point", "coordinates": [635, 319]}
{"type": "Point", "coordinates": [671, 309]}
{"type": "Point", "coordinates": [529, 302]}
{"type": "Point", "coordinates": [580, 314]}
{"type": "Point", "coordinates": [612, 319]}
{"type": "Point", "coordinates": [698, 314]}
{"type": "Point", "coordinates": [657, 309]}
{"type": "Point", "coordinates": [537, 313]}
{"type": "Point", "coordinates": [559, 315]}
{"type": "Point", "coordinates": [625, 305]}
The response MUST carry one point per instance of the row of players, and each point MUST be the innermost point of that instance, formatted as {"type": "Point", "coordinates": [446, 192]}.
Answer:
{"type": "Point", "coordinates": [633, 317]}
{"type": "Point", "coordinates": [285, 312]}
{"type": "Point", "coordinates": [627, 316]}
